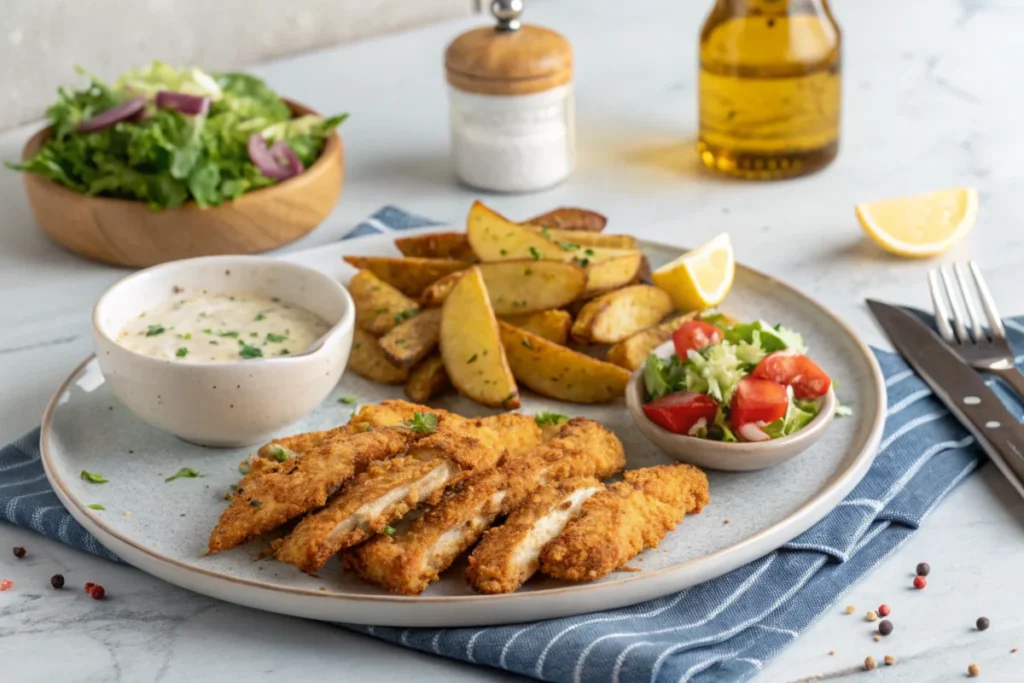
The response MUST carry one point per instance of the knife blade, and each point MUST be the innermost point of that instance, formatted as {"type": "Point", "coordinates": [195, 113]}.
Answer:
{"type": "Point", "coordinates": [959, 387]}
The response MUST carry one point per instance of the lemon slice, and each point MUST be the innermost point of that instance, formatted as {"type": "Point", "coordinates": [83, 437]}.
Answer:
{"type": "Point", "coordinates": [922, 225]}
{"type": "Point", "coordinates": [700, 278]}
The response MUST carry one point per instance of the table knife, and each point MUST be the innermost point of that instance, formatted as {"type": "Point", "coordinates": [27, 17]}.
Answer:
{"type": "Point", "coordinates": [959, 387]}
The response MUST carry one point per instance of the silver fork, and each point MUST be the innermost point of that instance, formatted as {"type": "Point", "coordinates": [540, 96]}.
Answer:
{"type": "Point", "coordinates": [983, 348]}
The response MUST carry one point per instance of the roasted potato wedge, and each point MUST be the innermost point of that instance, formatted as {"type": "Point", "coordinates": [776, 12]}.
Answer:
{"type": "Point", "coordinates": [587, 239]}
{"type": "Point", "coordinates": [471, 345]}
{"type": "Point", "coordinates": [568, 218]}
{"type": "Point", "coordinates": [516, 287]}
{"type": "Point", "coordinates": [410, 276]}
{"type": "Point", "coordinates": [612, 273]}
{"type": "Point", "coordinates": [443, 245]}
{"type": "Point", "coordinates": [559, 372]}
{"type": "Point", "coordinates": [427, 379]}
{"type": "Point", "coordinates": [495, 238]}
{"type": "Point", "coordinates": [379, 306]}
{"type": "Point", "coordinates": [631, 353]}
{"type": "Point", "coordinates": [614, 316]}
{"type": "Point", "coordinates": [410, 341]}
{"type": "Point", "coordinates": [368, 360]}
{"type": "Point", "coordinates": [552, 325]}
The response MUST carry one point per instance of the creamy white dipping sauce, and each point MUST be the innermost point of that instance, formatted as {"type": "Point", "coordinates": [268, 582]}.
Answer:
{"type": "Point", "coordinates": [217, 328]}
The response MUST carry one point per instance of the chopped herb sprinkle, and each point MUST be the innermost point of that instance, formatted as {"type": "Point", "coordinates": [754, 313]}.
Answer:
{"type": "Point", "coordinates": [181, 352]}
{"type": "Point", "coordinates": [528, 271]}
{"type": "Point", "coordinates": [549, 419]}
{"type": "Point", "coordinates": [153, 330]}
{"type": "Point", "coordinates": [472, 359]}
{"type": "Point", "coordinates": [402, 316]}
{"type": "Point", "coordinates": [423, 423]}
{"type": "Point", "coordinates": [284, 352]}
{"type": "Point", "coordinates": [536, 253]}
{"type": "Point", "coordinates": [503, 252]}
{"type": "Point", "coordinates": [93, 478]}
{"type": "Point", "coordinates": [259, 317]}
{"type": "Point", "coordinates": [96, 506]}
{"type": "Point", "coordinates": [348, 400]}
{"type": "Point", "coordinates": [382, 309]}
{"type": "Point", "coordinates": [279, 453]}
{"type": "Point", "coordinates": [276, 338]}
{"type": "Point", "coordinates": [249, 352]}
{"type": "Point", "coordinates": [184, 473]}
{"type": "Point", "coordinates": [389, 530]}
{"type": "Point", "coordinates": [527, 344]}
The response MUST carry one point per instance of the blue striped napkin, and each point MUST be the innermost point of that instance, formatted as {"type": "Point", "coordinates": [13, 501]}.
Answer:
{"type": "Point", "coordinates": [723, 630]}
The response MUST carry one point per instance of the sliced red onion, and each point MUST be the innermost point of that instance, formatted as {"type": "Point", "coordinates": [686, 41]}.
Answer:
{"type": "Point", "coordinates": [121, 112]}
{"type": "Point", "coordinates": [183, 102]}
{"type": "Point", "coordinates": [753, 432]}
{"type": "Point", "coordinates": [279, 162]}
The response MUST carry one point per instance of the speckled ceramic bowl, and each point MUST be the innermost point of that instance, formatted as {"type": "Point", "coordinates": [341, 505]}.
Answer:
{"type": "Point", "coordinates": [229, 403]}
{"type": "Point", "coordinates": [724, 456]}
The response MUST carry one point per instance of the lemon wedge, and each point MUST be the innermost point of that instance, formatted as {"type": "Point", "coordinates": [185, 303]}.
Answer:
{"type": "Point", "coordinates": [700, 278]}
{"type": "Point", "coordinates": [922, 225]}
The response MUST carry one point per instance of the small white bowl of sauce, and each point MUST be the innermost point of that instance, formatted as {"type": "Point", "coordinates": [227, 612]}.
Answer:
{"type": "Point", "coordinates": [224, 350]}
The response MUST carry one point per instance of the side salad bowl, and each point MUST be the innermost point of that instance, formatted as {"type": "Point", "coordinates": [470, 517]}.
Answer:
{"type": "Point", "coordinates": [720, 455]}
{"type": "Point", "coordinates": [125, 232]}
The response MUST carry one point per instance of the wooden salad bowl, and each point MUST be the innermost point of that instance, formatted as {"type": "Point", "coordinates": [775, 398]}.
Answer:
{"type": "Point", "coordinates": [126, 232]}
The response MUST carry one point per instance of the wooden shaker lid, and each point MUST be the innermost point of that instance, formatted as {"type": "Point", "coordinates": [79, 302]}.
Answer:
{"type": "Point", "coordinates": [510, 59]}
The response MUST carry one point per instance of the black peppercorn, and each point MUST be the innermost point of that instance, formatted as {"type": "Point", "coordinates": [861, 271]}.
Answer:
{"type": "Point", "coordinates": [57, 581]}
{"type": "Point", "coordinates": [20, 552]}
{"type": "Point", "coordinates": [924, 569]}
{"type": "Point", "coordinates": [983, 623]}
{"type": "Point", "coordinates": [885, 627]}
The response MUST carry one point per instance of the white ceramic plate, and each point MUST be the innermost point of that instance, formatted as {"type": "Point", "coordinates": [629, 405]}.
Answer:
{"type": "Point", "coordinates": [161, 527]}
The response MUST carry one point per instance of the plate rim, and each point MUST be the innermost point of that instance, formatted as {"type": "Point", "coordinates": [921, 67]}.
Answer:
{"type": "Point", "coordinates": [747, 550]}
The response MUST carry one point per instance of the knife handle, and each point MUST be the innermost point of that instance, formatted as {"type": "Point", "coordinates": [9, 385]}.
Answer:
{"type": "Point", "coordinates": [996, 430]}
{"type": "Point", "coordinates": [1013, 378]}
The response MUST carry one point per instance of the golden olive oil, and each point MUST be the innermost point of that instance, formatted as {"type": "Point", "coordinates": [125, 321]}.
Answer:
{"type": "Point", "coordinates": [770, 88]}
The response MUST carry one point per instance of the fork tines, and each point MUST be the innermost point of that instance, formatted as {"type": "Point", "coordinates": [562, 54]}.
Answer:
{"type": "Point", "coordinates": [959, 296]}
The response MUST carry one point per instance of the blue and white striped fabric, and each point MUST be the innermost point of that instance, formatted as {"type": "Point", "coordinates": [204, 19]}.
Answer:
{"type": "Point", "coordinates": [721, 631]}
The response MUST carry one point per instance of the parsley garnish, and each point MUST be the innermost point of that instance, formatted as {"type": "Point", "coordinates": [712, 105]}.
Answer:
{"type": "Point", "coordinates": [277, 338]}
{"type": "Point", "coordinates": [509, 398]}
{"type": "Point", "coordinates": [94, 478]}
{"type": "Point", "coordinates": [284, 352]}
{"type": "Point", "coordinates": [181, 352]}
{"type": "Point", "coordinates": [249, 352]}
{"type": "Point", "coordinates": [528, 271]}
{"type": "Point", "coordinates": [527, 344]}
{"type": "Point", "coordinates": [402, 316]}
{"type": "Point", "coordinates": [348, 400]}
{"type": "Point", "coordinates": [153, 330]}
{"type": "Point", "coordinates": [382, 309]}
{"type": "Point", "coordinates": [186, 336]}
{"type": "Point", "coordinates": [583, 262]}
{"type": "Point", "coordinates": [588, 252]}
{"type": "Point", "coordinates": [259, 317]}
{"type": "Point", "coordinates": [535, 253]}
{"type": "Point", "coordinates": [95, 506]}
{"type": "Point", "coordinates": [472, 359]}
{"type": "Point", "coordinates": [569, 246]}
{"type": "Point", "coordinates": [548, 419]}
{"type": "Point", "coordinates": [423, 423]}
{"type": "Point", "coordinates": [503, 252]}
{"type": "Point", "coordinates": [389, 530]}
{"type": "Point", "coordinates": [183, 473]}
{"type": "Point", "coordinates": [228, 333]}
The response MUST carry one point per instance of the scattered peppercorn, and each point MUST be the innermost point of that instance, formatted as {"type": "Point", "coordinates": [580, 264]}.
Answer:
{"type": "Point", "coordinates": [6, 585]}
{"type": "Point", "coordinates": [920, 582]}
{"type": "Point", "coordinates": [983, 623]}
{"type": "Point", "coordinates": [57, 581]}
{"type": "Point", "coordinates": [20, 552]}
{"type": "Point", "coordinates": [1013, 651]}
{"type": "Point", "coordinates": [924, 569]}
{"type": "Point", "coordinates": [885, 627]}
{"type": "Point", "coordinates": [877, 639]}
{"type": "Point", "coordinates": [850, 609]}
{"type": "Point", "coordinates": [869, 663]}
{"type": "Point", "coordinates": [883, 610]}
{"type": "Point", "coordinates": [871, 615]}
{"type": "Point", "coordinates": [97, 592]}
{"type": "Point", "coordinates": [88, 586]}
{"type": "Point", "coordinates": [889, 660]}
{"type": "Point", "coordinates": [831, 653]}
{"type": "Point", "coordinates": [973, 670]}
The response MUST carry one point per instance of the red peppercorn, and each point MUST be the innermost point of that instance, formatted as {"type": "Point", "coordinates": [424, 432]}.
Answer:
{"type": "Point", "coordinates": [20, 552]}
{"type": "Point", "coordinates": [920, 582]}
{"type": "Point", "coordinates": [88, 586]}
{"type": "Point", "coordinates": [97, 592]}
{"type": "Point", "coordinates": [883, 610]}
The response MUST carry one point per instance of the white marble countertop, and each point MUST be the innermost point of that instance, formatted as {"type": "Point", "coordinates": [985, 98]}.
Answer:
{"type": "Point", "coordinates": [932, 100]}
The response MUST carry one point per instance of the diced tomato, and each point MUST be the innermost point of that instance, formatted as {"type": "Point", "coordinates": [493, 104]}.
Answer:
{"type": "Point", "coordinates": [680, 412]}
{"type": "Point", "coordinates": [806, 377]}
{"type": "Point", "coordinates": [758, 400]}
{"type": "Point", "coordinates": [696, 335]}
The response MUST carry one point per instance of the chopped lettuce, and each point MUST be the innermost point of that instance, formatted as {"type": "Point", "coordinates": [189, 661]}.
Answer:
{"type": "Point", "coordinates": [768, 338]}
{"type": "Point", "coordinates": [166, 158]}
{"type": "Point", "coordinates": [798, 415]}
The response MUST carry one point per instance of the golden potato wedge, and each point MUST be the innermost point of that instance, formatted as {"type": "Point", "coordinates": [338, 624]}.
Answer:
{"type": "Point", "coordinates": [568, 218]}
{"type": "Point", "coordinates": [368, 360]}
{"type": "Point", "coordinates": [612, 273]}
{"type": "Point", "coordinates": [444, 245]}
{"type": "Point", "coordinates": [379, 306]}
{"type": "Point", "coordinates": [559, 372]}
{"type": "Point", "coordinates": [515, 287]}
{"type": "Point", "coordinates": [471, 345]}
{"type": "Point", "coordinates": [410, 341]}
{"type": "Point", "coordinates": [410, 276]}
{"type": "Point", "coordinates": [552, 325]}
{"type": "Point", "coordinates": [495, 238]}
{"type": "Point", "coordinates": [631, 353]}
{"type": "Point", "coordinates": [427, 379]}
{"type": "Point", "coordinates": [614, 316]}
{"type": "Point", "coordinates": [583, 238]}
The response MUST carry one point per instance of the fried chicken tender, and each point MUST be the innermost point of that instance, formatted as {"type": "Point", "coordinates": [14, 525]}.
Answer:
{"type": "Point", "coordinates": [407, 563]}
{"type": "Point", "coordinates": [615, 524]}
{"type": "Point", "coordinates": [271, 496]}
{"type": "Point", "coordinates": [509, 554]}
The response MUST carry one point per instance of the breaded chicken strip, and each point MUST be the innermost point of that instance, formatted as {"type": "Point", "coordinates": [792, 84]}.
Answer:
{"type": "Point", "coordinates": [617, 523]}
{"type": "Point", "coordinates": [509, 554]}
{"type": "Point", "coordinates": [270, 497]}
{"type": "Point", "coordinates": [407, 563]}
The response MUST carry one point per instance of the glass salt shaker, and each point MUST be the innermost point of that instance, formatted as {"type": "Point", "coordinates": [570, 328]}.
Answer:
{"type": "Point", "coordinates": [511, 100]}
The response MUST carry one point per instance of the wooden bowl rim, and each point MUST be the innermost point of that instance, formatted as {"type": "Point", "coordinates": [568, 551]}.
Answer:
{"type": "Point", "coordinates": [331, 150]}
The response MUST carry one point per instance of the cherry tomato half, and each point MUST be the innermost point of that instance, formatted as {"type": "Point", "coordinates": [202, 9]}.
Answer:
{"type": "Point", "coordinates": [758, 400]}
{"type": "Point", "coordinates": [680, 412]}
{"type": "Point", "coordinates": [806, 377]}
{"type": "Point", "coordinates": [696, 335]}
